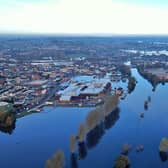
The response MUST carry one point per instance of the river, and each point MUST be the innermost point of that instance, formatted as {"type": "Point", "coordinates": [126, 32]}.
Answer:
{"type": "Point", "coordinates": [37, 136]}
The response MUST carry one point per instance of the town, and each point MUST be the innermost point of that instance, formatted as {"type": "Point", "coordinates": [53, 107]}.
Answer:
{"type": "Point", "coordinates": [36, 83]}
{"type": "Point", "coordinates": [71, 72]}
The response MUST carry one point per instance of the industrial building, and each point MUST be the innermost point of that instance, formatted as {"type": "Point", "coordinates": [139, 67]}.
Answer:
{"type": "Point", "coordinates": [84, 90]}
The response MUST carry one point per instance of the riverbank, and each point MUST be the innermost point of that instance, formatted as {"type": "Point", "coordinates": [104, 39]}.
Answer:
{"type": "Point", "coordinates": [154, 75]}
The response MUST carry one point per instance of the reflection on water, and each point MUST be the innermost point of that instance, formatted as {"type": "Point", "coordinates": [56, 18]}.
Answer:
{"type": "Point", "coordinates": [82, 150]}
{"type": "Point", "coordinates": [94, 136]}
{"type": "Point", "coordinates": [111, 119]}
{"type": "Point", "coordinates": [74, 163]}
{"type": "Point", "coordinates": [163, 156]}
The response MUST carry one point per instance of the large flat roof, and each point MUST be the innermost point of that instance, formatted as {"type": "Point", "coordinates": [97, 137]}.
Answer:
{"type": "Point", "coordinates": [3, 103]}
{"type": "Point", "coordinates": [93, 86]}
{"type": "Point", "coordinates": [37, 82]}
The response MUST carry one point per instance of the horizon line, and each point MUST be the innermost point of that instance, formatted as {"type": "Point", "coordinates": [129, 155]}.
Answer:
{"type": "Point", "coordinates": [79, 34]}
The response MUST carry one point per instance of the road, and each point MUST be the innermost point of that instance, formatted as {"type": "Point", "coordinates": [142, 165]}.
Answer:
{"type": "Point", "coordinates": [47, 97]}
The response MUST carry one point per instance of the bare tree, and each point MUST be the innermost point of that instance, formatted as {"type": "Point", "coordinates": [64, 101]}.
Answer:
{"type": "Point", "coordinates": [163, 147]}
{"type": "Point", "coordinates": [56, 161]}
{"type": "Point", "coordinates": [121, 162]}
{"type": "Point", "coordinates": [73, 143]}
{"type": "Point", "coordinates": [82, 132]}
{"type": "Point", "coordinates": [110, 104]}
{"type": "Point", "coordinates": [96, 116]}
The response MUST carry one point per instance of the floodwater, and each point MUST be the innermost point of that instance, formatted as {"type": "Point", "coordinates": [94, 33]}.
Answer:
{"type": "Point", "coordinates": [38, 136]}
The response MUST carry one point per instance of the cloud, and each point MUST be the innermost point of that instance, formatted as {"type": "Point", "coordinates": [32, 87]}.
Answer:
{"type": "Point", "coordinates": [84, 16]}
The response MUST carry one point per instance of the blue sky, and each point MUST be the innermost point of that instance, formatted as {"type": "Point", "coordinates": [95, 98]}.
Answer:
{"type": "Point", "coordinates": [84, 16]}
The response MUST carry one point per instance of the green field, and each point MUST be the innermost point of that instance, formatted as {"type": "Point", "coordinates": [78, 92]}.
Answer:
{"type": "Point", "coordinates": [7, 108]}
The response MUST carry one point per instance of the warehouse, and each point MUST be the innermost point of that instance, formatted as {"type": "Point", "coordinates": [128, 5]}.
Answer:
{"type": "Point", "coordinates": [84, 90]}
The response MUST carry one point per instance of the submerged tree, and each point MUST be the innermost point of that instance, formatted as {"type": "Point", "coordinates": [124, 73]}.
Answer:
{"type": "Point", "coordinates": [154, 80]}
{"type": "Point", "coordinates": [111, 104]}
{"type": "Point", "coordinates": [93, 119]}
{"type": "Point", "coordinates": [96, 116]}
{"type": "Point", "coordinates": [74, 163]}
{"type": "Point", "coordinates": [125, 70]}
{"type": "Point", "coordinates": [125, 149]}
{"type": "Point", "coordinates": [56, 161]}
{"type": "Point", "coordinates": [7, 122]}
{"type": "Point", "coordinates": [73, 143]}
{"type": "Point", "coordinates": [122, 162]}
{"type": "Point", "coordinates": [111, 119]}
{"type": "Point", "coordinates": [163, 147]}
{"type": "Point", "coordinates": [82, 150]}
{"type": "Point", "coordinates": [163, 156]}
{"type": "Point", "coordinates": [94, 125]}
{"type": "Point", "coordinates": [131, 84]}
{"type": "Point", "coordinates": [82, 133]}
{"type": "Point", "coordinates": [149, 99]}
{"type": "Point", "coordinates": [146, 105]}
{"type": "Point", "coordinates": [94, 135]}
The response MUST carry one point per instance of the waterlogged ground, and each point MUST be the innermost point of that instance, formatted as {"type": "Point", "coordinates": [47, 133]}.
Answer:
{"type": "Point", "coordinates": [38, 136]}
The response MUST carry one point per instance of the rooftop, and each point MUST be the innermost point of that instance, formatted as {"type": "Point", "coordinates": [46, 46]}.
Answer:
{"type": "Point", "coordinates": [37, 82]}
{"type": "Point", "coordinates": [3, 104]}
